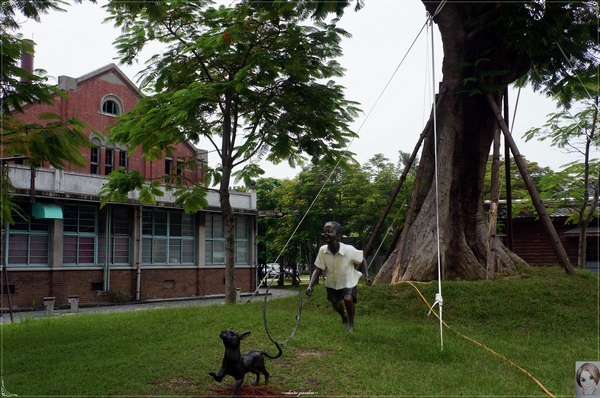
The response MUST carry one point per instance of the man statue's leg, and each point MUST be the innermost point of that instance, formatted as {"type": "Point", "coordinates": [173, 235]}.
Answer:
{"type": "Point", "coordinates": [349, 300]}
{"type": "Point", "coordinates": [339, 308]}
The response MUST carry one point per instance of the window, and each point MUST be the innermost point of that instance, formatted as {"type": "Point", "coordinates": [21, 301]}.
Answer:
{"type": "Point", "coordinates": [123, 159]}
{"type": "Point", "coordinates": [109, 160]}
{"type": "Point", "coordinates": [94, 156]}
{"type": "Point", "coordinates": [168, 237]}
{"type": "Point", "coordinates": [169, 170]}
{"type": "Point", "coordinates": [242, 233]}
{"type": "Point", "coordinates": [215, 239]}
{"type": "Point", "coordinates": [20, 159]}
{"type": "Point", "coordinates": [120, 222]}
{"type": "Point", "coordinates": [80, 234]}
{"type": "Point", "coordinates": [111, 105]}
{"type": "Point", "coordinates": [28, 241]}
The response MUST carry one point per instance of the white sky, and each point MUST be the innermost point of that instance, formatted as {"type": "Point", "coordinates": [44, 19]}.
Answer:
{"type": "Point", "coordinates": [77, 42]}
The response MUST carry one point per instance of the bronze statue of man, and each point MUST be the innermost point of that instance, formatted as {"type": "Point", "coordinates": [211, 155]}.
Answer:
{"type": "Point", "coordinates": [339, 261]}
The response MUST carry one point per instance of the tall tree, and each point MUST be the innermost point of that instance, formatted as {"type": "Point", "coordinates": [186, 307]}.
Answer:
{"type": "Point", "coordinates": [522, 201]}
{"type": "Point", "coordinates": [250, 81]}
{"type": "Point", "coordinates": [51, 138]}
{"type": "Point", "coordinates": [19, 86]}
{"type": "Point", "coordinates": [577, 185]}
{"type": "Point", "coordinates": [305, 202]}
{"type": "Point", "coordinates": [487, 45]}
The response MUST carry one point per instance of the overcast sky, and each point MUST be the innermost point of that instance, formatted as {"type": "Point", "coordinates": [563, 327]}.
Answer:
{"type": "Point", "coordinates": [77, 42]}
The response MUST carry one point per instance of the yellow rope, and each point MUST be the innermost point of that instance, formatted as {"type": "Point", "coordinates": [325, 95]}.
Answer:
{"type": "Point", "coordinates": [478, 343]}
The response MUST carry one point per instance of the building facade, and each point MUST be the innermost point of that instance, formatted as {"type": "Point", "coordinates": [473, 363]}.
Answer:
{"type": "Point", "coordinates": [69, 246]}
{"type": "Point", "coordinates": [531, 242]}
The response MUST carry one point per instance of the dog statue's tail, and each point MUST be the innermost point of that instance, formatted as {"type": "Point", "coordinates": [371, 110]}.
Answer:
{"type": "Point", "coordinates": [276, 355]}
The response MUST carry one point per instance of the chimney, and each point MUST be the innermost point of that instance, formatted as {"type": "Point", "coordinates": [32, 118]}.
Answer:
{"type": "Point", "coordinates": [27, 58]}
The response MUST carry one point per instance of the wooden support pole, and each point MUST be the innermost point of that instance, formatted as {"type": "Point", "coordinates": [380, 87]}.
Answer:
{"type": "Point", "coordinates": [395, 193]}
{"type": "Point", "coordinates": [492, 238]}
{"type": "Point", "coordinates": [557, 245]}
{"type": "Point", "coordinates": [508, 179]}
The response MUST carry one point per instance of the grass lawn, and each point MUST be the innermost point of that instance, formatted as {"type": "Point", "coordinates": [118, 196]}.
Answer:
{"type": "Point", "coordinates": [543, 321]}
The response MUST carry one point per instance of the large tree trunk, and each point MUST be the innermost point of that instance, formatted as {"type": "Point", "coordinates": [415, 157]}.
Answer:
{"type": "Point", "coordinates": [465, 131]}
{"type": "Point", "coordinates": [226, 208]}
{"type": "Point", "coordinates": [229, 224]}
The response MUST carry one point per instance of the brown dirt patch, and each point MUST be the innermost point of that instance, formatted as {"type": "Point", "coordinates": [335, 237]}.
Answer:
{"type": "Point", "coordinates": [181, 386]}
{"type": "Point", "coordinates": [247, 391]}
{"type": "Point", "coordinates": [306, 353]}
{"type": "Point", "coordinates": [178, 383]}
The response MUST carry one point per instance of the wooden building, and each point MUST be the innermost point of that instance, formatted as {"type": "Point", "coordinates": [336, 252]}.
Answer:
{"type": "Point", "coordinates": [531, 243]}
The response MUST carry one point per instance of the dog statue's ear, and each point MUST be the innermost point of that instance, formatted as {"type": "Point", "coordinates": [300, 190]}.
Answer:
{"type": "Point", "coordinates": [244, 335]}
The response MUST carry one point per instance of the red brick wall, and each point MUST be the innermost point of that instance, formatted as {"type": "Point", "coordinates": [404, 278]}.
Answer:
{"type": "Point", "coordinates": [169, 283]}
{"type": "Point", "coordinates": [32, 286]}
{"type": "Point", "coordinates": [30, 289]}
{"type": "Point", "coordinates": [173, 283]}
{"type": "Point", "coordinates": [84, 104]}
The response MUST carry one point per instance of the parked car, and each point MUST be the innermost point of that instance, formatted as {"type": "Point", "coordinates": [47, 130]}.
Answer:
{"type": "Point", "coordinates": [273, 269]}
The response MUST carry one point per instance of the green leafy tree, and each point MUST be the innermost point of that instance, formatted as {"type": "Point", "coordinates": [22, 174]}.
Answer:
{"type": "Point", "coordinates": [17, 85]}
{"type": "Point", "coordinates": [253, 82]}
{"type": "Point", "coordinates": [487, 46]}
{"type": "Point", "coordinates": [520, 194]}
{"type": "Point", "coordinates": [269, 200]}
{"type": "Point", "coordinates": [577, 185]}
{"type": "Point", "coordinates": [354, 196]}
{"type": "Point", "coordinates": [51, 138]}
{"type": "Point", "coordinates": [384, 177]}
{"type": "Point", "coordinates": [293, 234]}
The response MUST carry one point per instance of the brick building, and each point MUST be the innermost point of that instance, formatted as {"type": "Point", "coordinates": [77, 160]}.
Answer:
{"type": "Point", "coordinates": [69, 246]}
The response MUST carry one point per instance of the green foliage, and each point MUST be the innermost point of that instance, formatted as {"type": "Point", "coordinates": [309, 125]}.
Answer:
{"type": "Point", "coordinates": [568, 131]}
{"type": "Point", "coordinates": [121, 296]}
{"type": "Point", "coordinates": [522, 202]}
{"type": "Point", "coordinates": [18, 86]}
{"type": "Point", "coordinates": [120, 184]}
{"type": "Point", "coordinates": [51, 139]}
{"type": "Point", "coordinates": [192, 200]}
{"type": "Point", "coordinates": [353, 196]}
{"type": "Point", "coordinates": [252, 81]}
{"type": "Point", "coordinates": [566, 189]}
{"type": "Point", "coordinates": [577, 182]}
{"type": "Point", "coordinates": [8, 208]}
{"type": "Point", "coordinates": [561, 42]}
{"type": "Point", "coordinates": [478, 71]}
{"type": "Point", "coordinates": [248, 173]}
{"type": "Point", "coordinates": [537, 321]}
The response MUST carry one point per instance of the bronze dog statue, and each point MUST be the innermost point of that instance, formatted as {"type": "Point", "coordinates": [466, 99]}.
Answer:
{"type": "Point", "coordinates": [236, 364]}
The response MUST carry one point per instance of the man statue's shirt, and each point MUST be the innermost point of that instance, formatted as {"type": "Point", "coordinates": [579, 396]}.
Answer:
{"type": "Point", "coordinates": [339, 267]}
